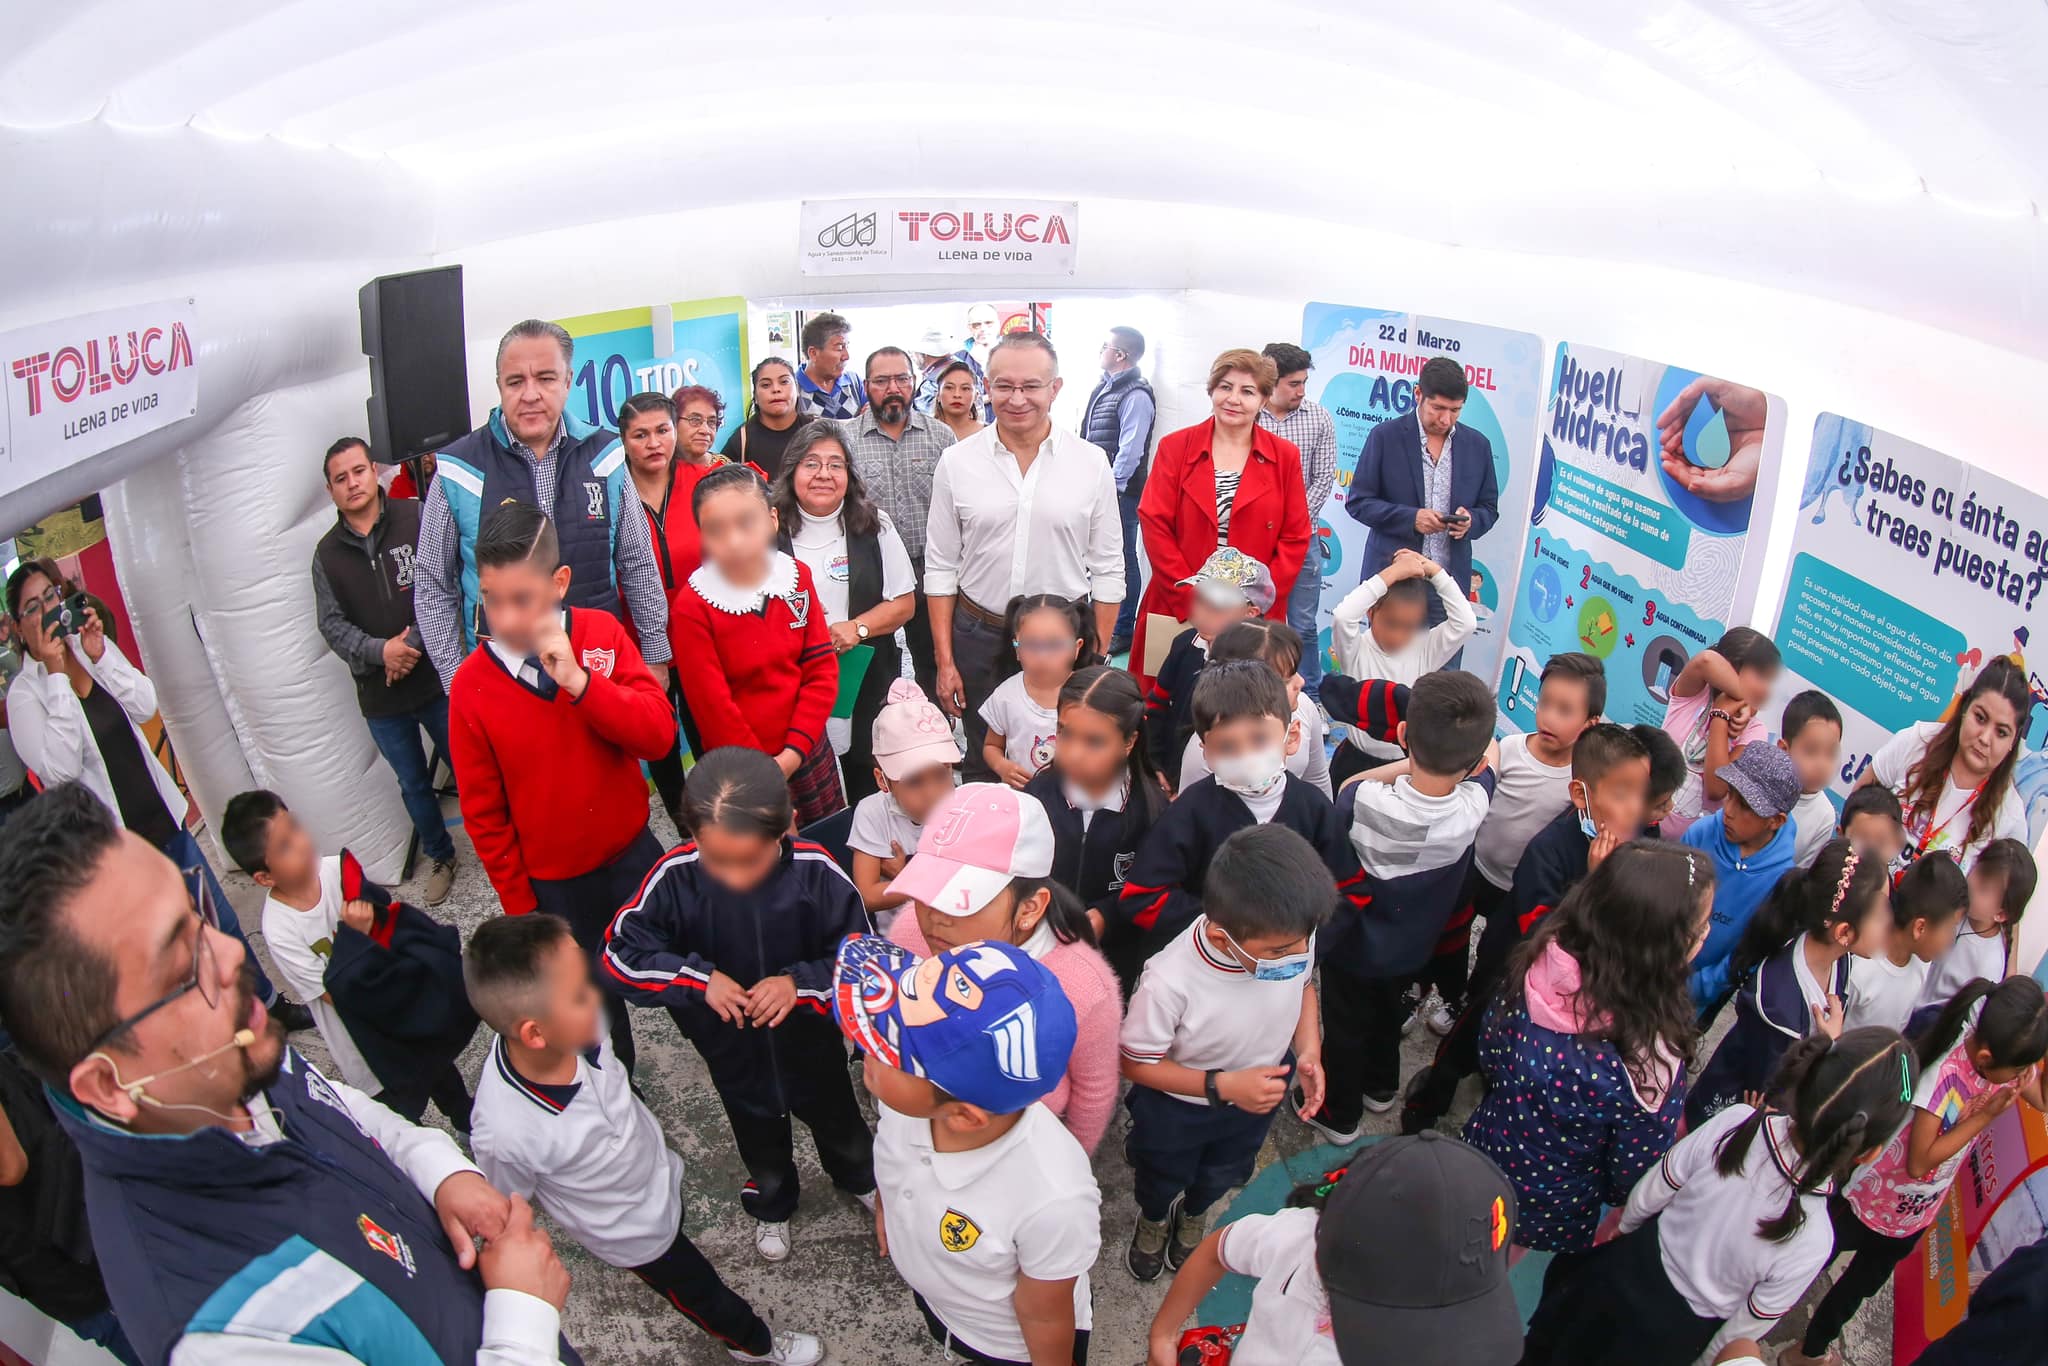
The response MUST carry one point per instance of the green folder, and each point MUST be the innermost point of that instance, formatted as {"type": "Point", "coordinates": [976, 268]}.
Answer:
{"type": "Point", "coordinates": [853, 667]}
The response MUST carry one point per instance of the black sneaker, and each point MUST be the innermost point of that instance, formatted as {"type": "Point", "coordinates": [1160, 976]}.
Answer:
{"type": "Point", "coordinates": [294, 1017]}
{"type": "Point", "coordinates": [1146, 1256]}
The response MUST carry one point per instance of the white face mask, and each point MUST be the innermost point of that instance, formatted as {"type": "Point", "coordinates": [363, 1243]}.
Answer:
{"type": "Point", "coordinates": [1252, 775]}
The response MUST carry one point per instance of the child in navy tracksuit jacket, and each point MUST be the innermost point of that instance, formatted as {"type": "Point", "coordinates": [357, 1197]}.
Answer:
{"type": "Point", "coordinates": [736, 932]}
{"type": "Point", "coordinates": [1245, 719]}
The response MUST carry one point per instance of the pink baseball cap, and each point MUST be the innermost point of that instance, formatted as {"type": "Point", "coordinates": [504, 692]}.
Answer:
{"type": "Point", "coordinates": [911, 734]}
{"type": "Point", "coordinates": [976, 841]}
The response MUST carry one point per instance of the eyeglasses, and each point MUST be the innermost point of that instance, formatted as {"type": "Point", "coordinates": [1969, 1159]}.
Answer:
{"type": "Point", "coordinates": [812, 465]}
{"type": "Point", "coordinates": [1030, 388]}
{"type": "Point", "coordinates": [41, 602]}
{"type": "Point", "coordinates": [205, 978]}
{"type": "Point", "coordinates": [698, 420]}
{"type": "Point", "coordinates": [889, 382]}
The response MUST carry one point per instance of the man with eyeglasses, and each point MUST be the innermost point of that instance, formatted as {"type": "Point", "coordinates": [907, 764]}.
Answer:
{"type": "Point", "coordinates": [531, 451]}
{"type": "Point", "coordinates": [895, 449]}
{"type": "Point", "coordinates": [1021, 506]}
{"type": "Point", "coordinates": [1119, 419]}
{"type": "Point", "coordinates": [244, 1208]}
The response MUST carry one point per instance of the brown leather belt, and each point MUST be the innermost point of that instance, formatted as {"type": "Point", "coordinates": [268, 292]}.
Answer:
{"type": "Point", "coordinates": [974, 611]}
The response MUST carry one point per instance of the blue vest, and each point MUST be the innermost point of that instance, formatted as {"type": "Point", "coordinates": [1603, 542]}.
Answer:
{"type": "Point", "coordinates": [1102, 419]}
{"type": "Point", "coordinates": [315, 1239]}
{"type": "Point", "coordinates": [484, 472]}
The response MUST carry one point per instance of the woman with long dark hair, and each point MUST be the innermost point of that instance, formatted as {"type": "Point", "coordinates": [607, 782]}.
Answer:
{"type": "Point", "coordinates": [1954, 776]}
{"type": "Point", "coordinates": [958, 402]}
{"type": "Point", "coordinates": [772, 419]}
{"type": "Point", "coordinates": [1586, 1049]}
{"type": "Point", "coordinates": [862, 573]}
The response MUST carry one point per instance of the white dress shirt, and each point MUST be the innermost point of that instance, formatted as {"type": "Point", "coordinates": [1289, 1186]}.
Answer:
{"type": "Point", "coordinates": [997, 530]}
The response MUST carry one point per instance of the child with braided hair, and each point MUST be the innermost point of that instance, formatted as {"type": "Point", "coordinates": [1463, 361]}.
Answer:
{"type": "Point", "coordinates": [1727, 1232]}
{"type": "Point", "coordinates": [1984, 1050]}
{"type": "Point", "coordinates": [1793, 968]}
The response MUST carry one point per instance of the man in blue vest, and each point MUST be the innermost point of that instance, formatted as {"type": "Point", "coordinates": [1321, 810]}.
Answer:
{"type": "Point", "coordinates": [244, 1208]}
{"type": "Point", "coordinates": [528, 452]}
{"type": "Point", "coordinates": [1119, 419]}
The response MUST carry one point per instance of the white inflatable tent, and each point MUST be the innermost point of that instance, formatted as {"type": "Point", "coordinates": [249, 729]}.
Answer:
{"type": "Point", "coordinates": [1841, 199]}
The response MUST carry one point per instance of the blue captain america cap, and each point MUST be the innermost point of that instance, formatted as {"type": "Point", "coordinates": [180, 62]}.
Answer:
{"type": "Point", "coordinates": [986, 1023]}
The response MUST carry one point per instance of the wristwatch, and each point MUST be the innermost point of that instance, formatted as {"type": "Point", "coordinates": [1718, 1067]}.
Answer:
{"type": "Point", "coordinates": [860, 628]}
{"type": "Point", "coordinates": [1209, 1088]}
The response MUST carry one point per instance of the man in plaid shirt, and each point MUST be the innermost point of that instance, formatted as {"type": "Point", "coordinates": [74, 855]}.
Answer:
{"type": "Point", "coordinates": [1309, 426]}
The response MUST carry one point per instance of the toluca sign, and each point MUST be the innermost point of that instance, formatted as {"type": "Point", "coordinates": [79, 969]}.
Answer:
{"type": "Point", "coordinates": [80, 386]}
{"type": "Point", "coordinates": [937, 237]}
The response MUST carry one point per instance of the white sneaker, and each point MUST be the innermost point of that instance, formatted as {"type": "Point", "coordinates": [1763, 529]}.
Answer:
{"type": "Point", "coordinates": [772, 1242]}
{"type": "Point", "coordinates": [1439, 1017]}
{"type": "Point", "coordinates": [867, 1201]}
{"type": "Point", "coordinates": [1414, 1022]}
{"type": "Point", "coordinates": [789, 1349]}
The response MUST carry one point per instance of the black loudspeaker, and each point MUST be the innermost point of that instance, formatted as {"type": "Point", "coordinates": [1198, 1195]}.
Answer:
{"type": "Point", "coordinates": [419, 381]}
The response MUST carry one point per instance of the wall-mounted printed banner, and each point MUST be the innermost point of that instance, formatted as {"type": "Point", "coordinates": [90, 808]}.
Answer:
{"type": "Point", "coordinates": [1910, 569]}
{"type": "Point", "coordinates": [74, 388]}
{"type": "Point", "coordinates": [1638, 548]}
{"type": "Point", "coordinates": [663, 348]}
{"type": "Point", "coordinates": [1366, 361]}
{"type": "Point", "coordinates": [963, 237]}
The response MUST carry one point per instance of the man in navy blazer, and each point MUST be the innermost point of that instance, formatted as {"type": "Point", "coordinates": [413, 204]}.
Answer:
{"type": "Point", "coordinates": [1406, 496]}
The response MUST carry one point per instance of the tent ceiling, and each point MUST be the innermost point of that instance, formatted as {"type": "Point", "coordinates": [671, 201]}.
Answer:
{"type": "Point", "coordinates": [1890, 152]}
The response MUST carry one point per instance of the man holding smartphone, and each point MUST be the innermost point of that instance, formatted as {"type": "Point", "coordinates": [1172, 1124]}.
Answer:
{"type": "Point", "coordinates": [1427, 484]}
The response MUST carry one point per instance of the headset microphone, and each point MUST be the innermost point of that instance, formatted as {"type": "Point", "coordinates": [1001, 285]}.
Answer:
{"type": "Point", "coordinates": [242, 1038]}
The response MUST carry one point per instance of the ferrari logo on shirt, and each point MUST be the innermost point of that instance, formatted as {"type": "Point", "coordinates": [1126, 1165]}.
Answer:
{"type": "Point", "coordinates": [380, 1240]}
{"type": "Point", "coordinates": [600, 661]}
{"type": "Point", "coordinates": [957, 1232]}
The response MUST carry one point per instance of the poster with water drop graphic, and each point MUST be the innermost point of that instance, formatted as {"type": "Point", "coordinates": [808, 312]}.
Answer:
{"type": "Point", "coordinates": [1366, 361]}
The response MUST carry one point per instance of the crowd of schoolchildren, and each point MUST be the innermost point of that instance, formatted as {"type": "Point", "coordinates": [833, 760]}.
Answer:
{"type": "Point", "coordinates": [1171, 893]}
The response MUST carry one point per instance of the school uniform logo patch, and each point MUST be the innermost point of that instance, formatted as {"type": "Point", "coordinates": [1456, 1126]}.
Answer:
{"type": "Point", "coordinates": [593, 501]}
{"type": "Point", "coordinates": [382, 1240]}
{"type": "Point", "coordinates": [600, 661]}
{"type": "Point", "coordinates": [1120, 867]}
{"type": "Point", "coordinates": [957, 1232]}
{"type": "Point", "coordinates": [799, 609]}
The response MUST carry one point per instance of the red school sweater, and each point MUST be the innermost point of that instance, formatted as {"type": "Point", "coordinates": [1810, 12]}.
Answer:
{"type": "Point", "coordinates": [552, 788]}
{"type": "Point", "coordinates": [758, 669]}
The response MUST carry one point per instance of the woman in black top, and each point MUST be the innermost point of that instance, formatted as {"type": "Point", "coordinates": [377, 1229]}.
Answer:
{"type": "Point", "coordinates": [771, 421]}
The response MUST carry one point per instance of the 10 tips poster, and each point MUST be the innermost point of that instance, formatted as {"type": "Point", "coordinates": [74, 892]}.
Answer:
{"type": "Point", "coordinates": [1638, 548]}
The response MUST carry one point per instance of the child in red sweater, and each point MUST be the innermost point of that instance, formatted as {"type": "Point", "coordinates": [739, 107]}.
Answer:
{"type": "Point", "coordinates": [548, 721]}
{"type": "Point", "coordinates": [761, 671]}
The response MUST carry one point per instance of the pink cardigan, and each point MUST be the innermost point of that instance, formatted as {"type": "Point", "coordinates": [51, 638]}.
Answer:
{"type": "Point", "coordinates": [1086, 1096]}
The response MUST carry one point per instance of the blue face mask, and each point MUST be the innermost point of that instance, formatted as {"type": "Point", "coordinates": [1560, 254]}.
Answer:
{"type": "Point", "coordinates": [1587, 827]}
{"type": "Point", "coordinates": [1276, 969]}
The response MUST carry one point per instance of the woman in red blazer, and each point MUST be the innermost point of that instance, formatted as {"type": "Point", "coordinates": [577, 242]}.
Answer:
{"type": "Point", "coordinates": [1228, 473]}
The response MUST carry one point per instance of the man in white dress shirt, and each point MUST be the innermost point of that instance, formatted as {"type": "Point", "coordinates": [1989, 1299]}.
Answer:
{"type": "Point", "coordinates": [1020, 507]}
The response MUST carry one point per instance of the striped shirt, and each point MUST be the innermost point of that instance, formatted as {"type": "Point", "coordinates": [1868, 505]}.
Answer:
{"type": "Point", "coordinates": [1226, 499]}
{"type": "Point", "coordinates": [1436, 491]}
{"type": "Point", "coordinates": [1314, 434]}
{"type": "Point", "coordinates": [437, 567]}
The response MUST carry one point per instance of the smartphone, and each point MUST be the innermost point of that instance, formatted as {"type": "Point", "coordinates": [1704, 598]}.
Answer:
{"type": "Point", "coordinates": [1457, 518]}
{"type": "Point", "coordinates": [67, 618]}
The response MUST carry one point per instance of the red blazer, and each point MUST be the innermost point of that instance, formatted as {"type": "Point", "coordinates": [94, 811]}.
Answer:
{"type": "Point", "coordinates": [1269, 520]}
{"type": "Point", "coordinates": [673, 529]}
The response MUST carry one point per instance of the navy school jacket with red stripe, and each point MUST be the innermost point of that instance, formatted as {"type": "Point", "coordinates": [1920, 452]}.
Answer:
{"type": "Point", "coordinates": [1170, 702]}
{"type": "Point", "coordinates": [1163, 893]}
{"type": "Point", "coordinates": [663, 945]}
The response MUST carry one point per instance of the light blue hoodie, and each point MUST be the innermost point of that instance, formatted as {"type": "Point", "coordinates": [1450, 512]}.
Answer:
{"type": "Point", "coordinates": [1740, 886]}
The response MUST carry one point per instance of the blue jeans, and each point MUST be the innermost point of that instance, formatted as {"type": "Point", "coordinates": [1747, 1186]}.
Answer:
{"type": "Point", "coordinates": [184, 851]}
{"type": "Point", "coordinates": [398, 740]}
{"type": "Point", "coordinates": [1127, 513]}
{"type": "Point", "coordinates": [1303, 606]}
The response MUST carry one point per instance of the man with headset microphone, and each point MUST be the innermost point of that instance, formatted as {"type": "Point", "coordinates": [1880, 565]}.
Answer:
{"type": "Point", "coordinates": [244, 1208]}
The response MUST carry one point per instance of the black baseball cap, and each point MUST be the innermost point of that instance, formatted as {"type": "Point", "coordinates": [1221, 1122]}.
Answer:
{"type": "Point", "coordinates": [1413, 1251]}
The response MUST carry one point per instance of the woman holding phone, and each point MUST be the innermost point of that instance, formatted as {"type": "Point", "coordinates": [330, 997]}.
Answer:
{"type": "Point", "coordinates": [76, 712]}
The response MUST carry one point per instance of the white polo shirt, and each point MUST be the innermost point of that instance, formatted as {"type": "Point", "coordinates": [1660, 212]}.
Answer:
{"type": "Point", "coordinates": [1881, 992]}
{"type": "Point", "coordinates": [1290, 1318]}
{"type": "Point", "coordinates": [964, 1226]}
{"type": "Point", "coordinates": [1707, 1230]}
{"type": "Point", "coordinates": [1527, 795]}
{"type": "Point", "coordinates": [588, 1153]}
{"type": "Point", "coordinates": [1202, 1010]}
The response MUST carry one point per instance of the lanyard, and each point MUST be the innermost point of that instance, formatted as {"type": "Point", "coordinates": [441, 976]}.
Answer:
{"type": "Point", "coordinates": [1928, 837]}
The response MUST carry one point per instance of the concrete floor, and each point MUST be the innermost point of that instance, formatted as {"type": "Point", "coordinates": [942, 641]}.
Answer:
{"type": "Point", "coordinates": [834, 1284]}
